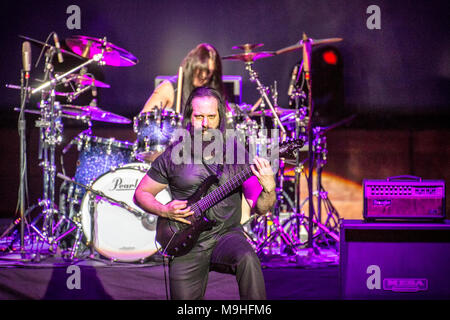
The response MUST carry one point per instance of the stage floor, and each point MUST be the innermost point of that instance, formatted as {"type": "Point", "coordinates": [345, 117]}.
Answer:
{"type": "Point", "coordinates": [52, 278]}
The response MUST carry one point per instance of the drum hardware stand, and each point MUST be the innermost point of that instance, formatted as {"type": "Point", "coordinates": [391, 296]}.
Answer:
{"type": "Point", "coordinates": [263, 92]}
{"type": "Point", "coordinates": [50, 128]}
{"type": "Point", "coordinates": [23, 181]}
{"type": "Point", "coordinates": [94, 197]}
{"type": "Point", "coordinates": [300, 130]}
{"type": "Point", "coordinates": [286, 240]}
{"type": "Point", "coordinates": [298, 219]}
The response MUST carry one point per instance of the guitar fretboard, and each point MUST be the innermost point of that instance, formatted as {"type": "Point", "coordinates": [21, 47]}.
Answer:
{"type": "Point", "coordinates": [221, 192]}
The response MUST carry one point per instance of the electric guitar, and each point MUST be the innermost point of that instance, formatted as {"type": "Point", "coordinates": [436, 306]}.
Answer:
{"type": "Point", "coordinates": [177, 238]}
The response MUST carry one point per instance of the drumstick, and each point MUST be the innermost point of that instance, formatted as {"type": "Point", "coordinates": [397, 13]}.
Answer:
{"type": "Point", "coordinates": [180, 89]}
{"type": "Point", "coordinates": [256, 105]}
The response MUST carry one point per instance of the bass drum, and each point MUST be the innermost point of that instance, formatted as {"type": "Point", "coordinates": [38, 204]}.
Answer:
{"type": "Point", "coordinates": [118, 233]}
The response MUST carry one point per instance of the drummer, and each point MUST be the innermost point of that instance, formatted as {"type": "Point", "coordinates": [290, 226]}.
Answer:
{"type": "Point", "coordinates": [201, 67]}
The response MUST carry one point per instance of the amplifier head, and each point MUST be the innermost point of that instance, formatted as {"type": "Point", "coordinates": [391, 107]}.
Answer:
{"type": "Point", "coordinates": [404, 200]}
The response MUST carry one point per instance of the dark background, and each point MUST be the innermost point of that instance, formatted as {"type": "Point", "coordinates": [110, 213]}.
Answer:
{"type": "Point", "coordinates": [396, 78]}
{"type": "Point", "coordinates": [402, 69]}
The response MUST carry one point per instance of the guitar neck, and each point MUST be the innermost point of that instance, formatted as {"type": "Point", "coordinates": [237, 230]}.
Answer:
{"type": "Point", "coordinates": [221, 192]}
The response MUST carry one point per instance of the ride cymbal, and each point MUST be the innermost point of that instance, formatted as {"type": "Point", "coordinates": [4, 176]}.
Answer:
{"type": "Point", "coordinates": [313, 43]}
{"type": "Point", "coordinates": [93, 113]}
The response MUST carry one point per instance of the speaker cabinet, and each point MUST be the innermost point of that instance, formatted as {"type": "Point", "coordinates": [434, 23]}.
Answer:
{"type": "Point", "coordinates": [394, 260]}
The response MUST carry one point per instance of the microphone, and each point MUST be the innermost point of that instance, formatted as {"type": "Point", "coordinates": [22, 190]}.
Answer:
{"type": "Point", "coordinates": [94, 90]}
{"type": "Point", "coordinates": [94, 96]}
{"type": "Point", "coordinates": [26, 58]}
{"type": "Point", "coordinates": [58, 48]}
{"type": "Point", "coordinates": [306, 55]}
{"type": "Point", "coordinates": [293, 79]}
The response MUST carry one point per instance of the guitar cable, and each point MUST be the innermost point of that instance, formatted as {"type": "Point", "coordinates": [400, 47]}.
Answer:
{"type": "Point", "coordinates": [164, 255]}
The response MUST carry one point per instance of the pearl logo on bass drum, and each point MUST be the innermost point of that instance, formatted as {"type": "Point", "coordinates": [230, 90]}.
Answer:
{"type": "Point", "coordinates": [118, 184]}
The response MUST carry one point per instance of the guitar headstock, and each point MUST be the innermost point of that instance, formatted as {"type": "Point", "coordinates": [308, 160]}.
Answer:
{"type": "Point", "coordinates": [287, 148]}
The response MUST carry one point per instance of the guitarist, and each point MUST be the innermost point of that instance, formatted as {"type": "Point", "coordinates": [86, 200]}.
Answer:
{"type": "Point", "coordinates": [224, 248]}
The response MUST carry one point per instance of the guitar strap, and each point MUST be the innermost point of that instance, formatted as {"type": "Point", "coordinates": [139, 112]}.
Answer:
{"type": "Point", "coordinates": [214, 169]}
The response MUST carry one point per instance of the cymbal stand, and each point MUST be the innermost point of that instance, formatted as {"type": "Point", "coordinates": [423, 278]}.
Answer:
{"type": "Point", "coordinates": [301, 120]}
{"type": "Point", "coordinates": [329, 225]}
{"type": "Point", "coordinates": [263, 92]}
{"type": "Point", "coordinates": [23, 159]}
{"type": "Point", "coordinates": [51, 128]}
{"type": "Point", "coordinates": [331, 222]}
{"type": "Point", "coordinates": [306, 69]}
{"type": "Point", "coordinates": [278, 232]}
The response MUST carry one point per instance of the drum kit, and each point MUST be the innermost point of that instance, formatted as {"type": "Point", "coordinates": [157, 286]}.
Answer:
{"type": "Point", "coordinates": [269, 232]}
{"type": "Point", "coordinates": [96, 209]}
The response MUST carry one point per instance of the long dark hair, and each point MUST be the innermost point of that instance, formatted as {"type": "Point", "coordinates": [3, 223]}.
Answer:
{"type": "Point", "coordinates": [210, 92]}
{"type": "Point", "coordinates": [197, 60]}
{"type": "Point", "coordinates": [205, 92]}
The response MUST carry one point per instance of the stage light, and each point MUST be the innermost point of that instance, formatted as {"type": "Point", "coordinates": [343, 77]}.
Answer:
{"type": "Point", "coordinates": [330, 57]}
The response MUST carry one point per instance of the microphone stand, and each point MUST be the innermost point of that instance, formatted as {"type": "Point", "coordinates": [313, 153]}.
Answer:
{"type": "Point", "coordinates": [306, 68]}
{"type": "Point", "coordinates": [51, 127]}
{"type": "Point", "coordinates": [23, 159]}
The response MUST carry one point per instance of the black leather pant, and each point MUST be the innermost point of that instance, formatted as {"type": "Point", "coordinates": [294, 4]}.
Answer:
{"type": "Point", "coordinates": [230, 254]}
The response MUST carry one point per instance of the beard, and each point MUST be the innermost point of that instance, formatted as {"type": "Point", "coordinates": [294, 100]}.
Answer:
{"type": "Point", "coordinates": [201, 139]}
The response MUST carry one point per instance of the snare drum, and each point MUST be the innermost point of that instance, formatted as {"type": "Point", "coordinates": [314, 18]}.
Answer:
{"type": "Point", "coordinates": [154, 131]}
{"type": "Point", "coordinates": [118, 233]}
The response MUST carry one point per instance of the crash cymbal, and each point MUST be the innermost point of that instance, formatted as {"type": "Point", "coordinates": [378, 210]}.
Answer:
{"type": "Point", "coordinates": [86, 80]}
{"type": "Point", "coordinates": [88, 47]}
{"type": "Point", "coordinates": [249, 56]}
{"type": "Point", "coordinates": [93, 113]}
{"type": "Point", "coordinates": [50, 46]}
{"type": "Point", "coordinates": [313, 43]}
{"type": "Point", "coordinates": [248, 46]}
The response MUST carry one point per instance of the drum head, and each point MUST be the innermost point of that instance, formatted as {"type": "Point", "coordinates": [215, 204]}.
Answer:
{"type": "Point", "coordinates": [118, 233]}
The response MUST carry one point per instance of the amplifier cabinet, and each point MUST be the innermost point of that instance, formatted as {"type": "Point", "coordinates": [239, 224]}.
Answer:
{"type": "Point", "coordinates": [394, 199]}
{"type": "Point", "coordinates": [394, 260]}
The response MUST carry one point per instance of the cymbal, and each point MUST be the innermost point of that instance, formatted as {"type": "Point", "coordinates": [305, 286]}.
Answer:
{"type": "Point", "coordinates": [313, 43]}
{"type": "Point", "coordinates": [93, 113]}
{"type": "Point", "coordinates": [249, 56]}
{"type": "Point", "coordinates": [50, 46]}
{"type": "Point", "coordinates": [86, 80]}
{"type": "Point", "coordinates": [248, 46]}
{"type": "Point", "coordinates": [17, 87]}
{"type": "Point", "coordinates": [88, 47]}
{"type": "Point", "coordinates": [268, 112]}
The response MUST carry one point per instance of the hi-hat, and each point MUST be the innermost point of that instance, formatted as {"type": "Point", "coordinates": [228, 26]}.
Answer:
{"type": "Point", "coordinates": [313, 43]}
{"type": "Point", "coordinates": [249, 56]}
{"type": "Point", "coordinates": [247, 47]}
{"type": "Point", "coordinates": [88, 47]}
{"type": "Point", "coordinates": [93, 113]}
{"type": "Point", "coordinates": [86, 80]}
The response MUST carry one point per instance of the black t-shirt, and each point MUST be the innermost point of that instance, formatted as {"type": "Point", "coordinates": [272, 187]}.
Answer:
{"type": "Point", "coordinates": [185, 179]}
